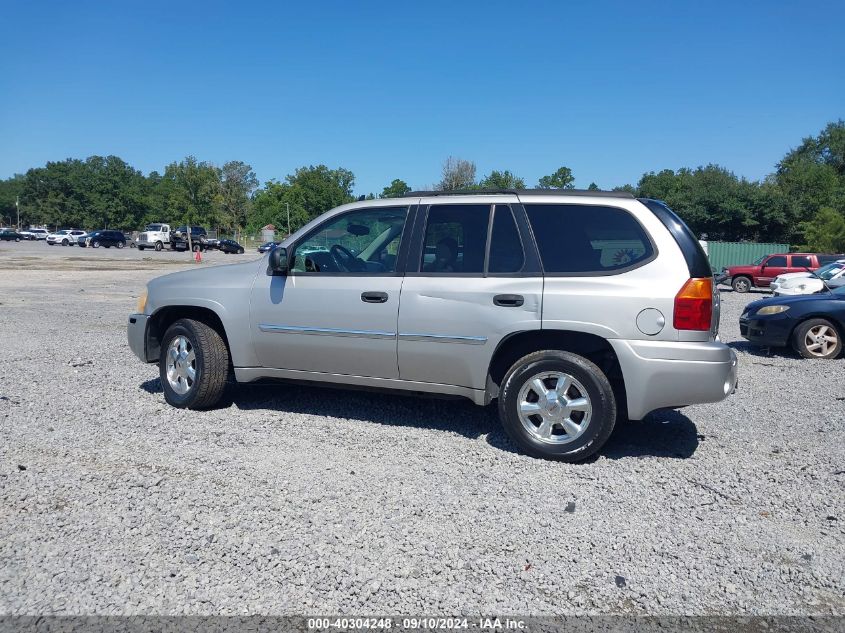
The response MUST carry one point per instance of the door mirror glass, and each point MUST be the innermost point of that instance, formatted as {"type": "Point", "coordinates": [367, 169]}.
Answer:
{"type": "Point", "coordinates": [279, 261]}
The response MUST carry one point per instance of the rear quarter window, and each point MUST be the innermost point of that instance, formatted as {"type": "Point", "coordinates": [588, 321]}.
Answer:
{"type": "Point", "coordinates": [576, 239]}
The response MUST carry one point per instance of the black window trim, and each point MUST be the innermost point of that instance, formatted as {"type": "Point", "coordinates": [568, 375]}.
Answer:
{"type": "Point", "coordinates": [599, 273]}
{"type": "Point", "coordinates": [401, 256]}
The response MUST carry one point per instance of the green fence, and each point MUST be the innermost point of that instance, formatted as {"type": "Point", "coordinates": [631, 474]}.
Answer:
{"type": "Point", "coordinates": [723, 254]}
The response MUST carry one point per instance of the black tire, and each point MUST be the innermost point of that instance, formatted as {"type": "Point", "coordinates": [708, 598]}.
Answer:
{"type": "Point", "coordinates": [120, 244]}
{"type": "Point", "coordinates": [159, 246]}
{"type": "Point", "coordinates": [140, 248]}
{"type": "Point", "coordinates": [211, 363]}
{"type": "Point", "coordinates": [240, 251]}
{"type": "Point", "coordinates": [741, 284]}
{"type": "Point", "coordinates": [64, 242]}
{"type": "Point", "coordinates": [95, 244]}
{"type": "Point", "coordinates": [195, 248]}
{"type": "Point", "coordinates": [598, 391]}
{"type": "Point", "coordinates": [107, 245]}
{"type": "Point", "coordinates": [807, 333]}
{"type": "Point", "coordinates": [17, 239]}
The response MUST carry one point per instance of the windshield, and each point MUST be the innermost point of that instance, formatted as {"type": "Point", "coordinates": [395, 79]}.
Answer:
{"type": "Point", "coordinates": [829, 271]}
{"type": "Point", "coordinates": [759, 260]}
{"type": "Point", "coordinates": [153, 227]}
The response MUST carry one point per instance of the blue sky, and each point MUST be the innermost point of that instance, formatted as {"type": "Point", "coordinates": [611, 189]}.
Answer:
{"type": "Point", "coordinates": [390, 89]}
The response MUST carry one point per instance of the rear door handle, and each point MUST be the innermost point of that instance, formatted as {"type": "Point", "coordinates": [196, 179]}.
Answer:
{"type": "Point", "coordinates": [508, 301]}
{"type": "Point", "coordinates": [374, 297]}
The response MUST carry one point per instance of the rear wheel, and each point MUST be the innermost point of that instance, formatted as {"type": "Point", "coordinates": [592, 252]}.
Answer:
{"type": "Point", "coordinates": [817, 338]}
{"type": "Point", "coordinates": [741, 284]}
{"type": "Point", "coordinates": [194, 365]}
{"type": "Point", "coordinates": [95, 244]}
{"type": "Point", "coordinates": [240, 251]}
{"type": "Point", "coordinates": [17, 239]}
{"type": "Point", "coordinates": [121, 244]}
{"type": "Point", "coordinates": [557, 405]}
{"type": "Point", "coordinates": [196, 248]}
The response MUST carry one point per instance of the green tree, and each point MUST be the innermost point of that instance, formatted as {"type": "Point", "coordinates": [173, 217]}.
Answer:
{"type": "Point", "coordinates": [561, 179]}
{"type": "Point", "coordinates": [825, 233]}
{"type": "Point", "coordinates": [593, 187]}
{"type": "Point", "coordinates": [501, 180]}
{"type": "Point", "coordinates": [457, 174]}
{"type": "Point", "coordinates": [10, 191]}
{"type": "Point", "coordinates": [192, 193]}
{"type": "Point", "coordinates": [396, 189]}
{"type": "Point", "coordinates": [237, 184]}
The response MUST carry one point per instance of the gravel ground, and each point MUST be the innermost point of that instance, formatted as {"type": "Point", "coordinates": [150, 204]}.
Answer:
{"type": "Point", "coordinates": [304, 500]}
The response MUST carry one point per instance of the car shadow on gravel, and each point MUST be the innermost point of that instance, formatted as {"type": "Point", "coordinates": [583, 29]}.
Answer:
{"type": "Point", "coordinates": [752, 349]}
{"type": "Point", "coordinates": [666, 434]}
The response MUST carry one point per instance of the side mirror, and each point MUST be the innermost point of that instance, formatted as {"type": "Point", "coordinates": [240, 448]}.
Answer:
{"type": "Point", "coordinates": [278, 261]}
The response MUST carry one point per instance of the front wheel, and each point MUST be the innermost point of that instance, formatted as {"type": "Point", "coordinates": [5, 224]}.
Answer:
{"type": "Point", "coordinates": [741, 284]}
{"type": "Point", "coordinates": [557, 405]}
{"type": "Point", "coordinates": [121, 244]}
{"type": "Point", "coordinates": [240, 251]}
{"type": "Point", "coordinates": [194, 365]}
{"type": "Point", "coordinates": [817, 338]}
{"type": "Point", "coordinates": [64, 242]}
{"type": "Point", "coordinates": [17, 239]}
{"type": "Point", "coordinates": [159, 246]}
{"type": "Point", "coordinates": [95, 244]}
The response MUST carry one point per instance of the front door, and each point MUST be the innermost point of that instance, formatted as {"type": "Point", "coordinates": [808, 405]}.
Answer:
{"type": "Point", "coordinates": [772, 267]}
{"type": "Point", "coordinates": [469, 284]}
{"type": "Point", "coordinates": [336, 310]}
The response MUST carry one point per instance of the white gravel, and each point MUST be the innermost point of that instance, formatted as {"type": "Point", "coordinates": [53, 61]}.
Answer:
{"type": "Point", "coordinates": [304, 500]}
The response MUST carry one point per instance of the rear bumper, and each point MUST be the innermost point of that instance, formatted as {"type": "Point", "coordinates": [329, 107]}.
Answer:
{"type": "Point", "coordinates": [136, 333]}
{"type": "Point", "coordinates": [665, 374]}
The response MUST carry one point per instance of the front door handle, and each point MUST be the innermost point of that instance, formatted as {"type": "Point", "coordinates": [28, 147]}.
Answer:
{"type": "Point", "coordinates": [508, 301]}
{"type": "Point", "coordinates": [374, 297]}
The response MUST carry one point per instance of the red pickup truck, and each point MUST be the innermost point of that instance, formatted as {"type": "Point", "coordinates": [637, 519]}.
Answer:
{"type": "Point", "coordinates": [761, 273]}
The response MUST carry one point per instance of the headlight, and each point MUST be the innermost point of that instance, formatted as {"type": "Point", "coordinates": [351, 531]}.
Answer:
{"type": "Point", "coordinates": [772, 310]}
{"type": "Point", "coordinates": [142, 302]}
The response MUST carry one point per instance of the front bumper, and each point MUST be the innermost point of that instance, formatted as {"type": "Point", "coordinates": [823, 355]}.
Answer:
{"type": "Point", "coordinates": [769, 331]}
{"type": "Point", "coordinates": [136, 333]}
{"type": "Point", "coordinates": [667, 374]}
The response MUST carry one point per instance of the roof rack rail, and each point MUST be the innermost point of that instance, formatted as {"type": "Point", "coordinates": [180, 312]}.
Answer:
{"type": "Point", "coordinates": [522, 192]}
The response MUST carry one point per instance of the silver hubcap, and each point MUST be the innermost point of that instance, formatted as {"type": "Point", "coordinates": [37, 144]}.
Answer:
{"type": "Point", "coordinates": [742, 285]}
{"type": "Point", "coordinates": [554, 407]}
{"type": "Point", "coordinates": [821, 340]}
{"type": "Point", "coordinates": [181, 365]}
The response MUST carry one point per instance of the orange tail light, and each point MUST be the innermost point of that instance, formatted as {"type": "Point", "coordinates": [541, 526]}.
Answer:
{"type": "Point", "coordinates": [694, 305]}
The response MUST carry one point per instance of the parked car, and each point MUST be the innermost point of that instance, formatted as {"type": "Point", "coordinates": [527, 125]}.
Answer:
{"type": "Point", "coordinates": [267, 246]}
{"type": "Point", "coordinates": [27, 235]}
{"type": "Point", "coordinates": [10, 236]}
{"type": "Point", "coordinates": [570, 309]}
{"type": "Point", "coordinates": [811, 324]}
{"type": "Point", "coordinates": [809, 282]}
{"type": "Point", "coordinates": [230, 247]}
{"type": "Point", "coordinates": [39, 234]}
{"type": "Point", "coordinates": [65, 237]}
{"type": "Point", "coordinates": [156, 235]}
{"type": "Point", "coordinates": [105, 237]}
{"type": "Point", "coordinates": [761, 273]}
{"type": "Point", "coordinates": [179, 238]}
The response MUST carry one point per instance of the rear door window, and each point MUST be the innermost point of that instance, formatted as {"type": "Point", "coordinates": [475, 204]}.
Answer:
{"type": "Point", "coordinates": [588, 239]}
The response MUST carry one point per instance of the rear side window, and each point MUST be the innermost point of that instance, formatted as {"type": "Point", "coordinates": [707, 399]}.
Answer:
{"type": "Point", "coordinates": [455, 238]}
{"type": "Point", "coordinates": [826, 259]}
{"type": "Point", "coordinates": [506, 254]}
{"type": "Point", "coordinates": [801, 260]}
{"type": "Point", "coordinates": [584, 239]}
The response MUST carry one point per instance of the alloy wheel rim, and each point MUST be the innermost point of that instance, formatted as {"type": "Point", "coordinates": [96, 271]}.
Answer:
{"type": "Point", "coordinates": [742, 285]}
{"type": "Point", "coordinates": [181, 365]}
{"type": "Point", "coordinates": [821, 340]}
{"type": "Point", "coordinates": [554, 407]}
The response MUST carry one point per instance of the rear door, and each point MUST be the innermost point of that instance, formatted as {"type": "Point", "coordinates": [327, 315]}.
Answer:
{"type": "Point", "coordinates": [473, 278]}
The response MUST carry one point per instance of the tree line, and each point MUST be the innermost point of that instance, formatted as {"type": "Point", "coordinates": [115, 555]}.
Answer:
{"type": "Point", "coordinates": [802, 202]}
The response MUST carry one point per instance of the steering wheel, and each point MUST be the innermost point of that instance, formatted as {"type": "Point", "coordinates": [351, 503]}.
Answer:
{"type": "Point", "coordinates": [345, 260]}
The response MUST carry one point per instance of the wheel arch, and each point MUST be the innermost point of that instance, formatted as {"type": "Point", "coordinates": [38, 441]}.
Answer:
{"type": "Point", "coordinates": [165, 316]}
{"type": "Point", "coordinates": [591, 346]}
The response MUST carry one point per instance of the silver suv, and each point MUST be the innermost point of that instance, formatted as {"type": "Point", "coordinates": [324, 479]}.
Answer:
{"type": "Point", "coordinates": [570, 308]}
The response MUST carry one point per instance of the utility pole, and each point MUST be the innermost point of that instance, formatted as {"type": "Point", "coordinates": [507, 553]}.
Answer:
{"type": "Point", "coordinates": [287, 205]}
{"type": "Point", "coordinates": [18, 208]}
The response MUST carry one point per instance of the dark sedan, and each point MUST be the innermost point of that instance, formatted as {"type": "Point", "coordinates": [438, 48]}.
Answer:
{"type": "Point", "coordinates": [11, 236]}
{"type": "Point", "coordinates": [105, 238]}
{"type": "Point", "coordinates": [230, 247]}
{"type": "Point", "coordinates": [812, 324]}
{"type": "Point", "coordinates": [266, 246]}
